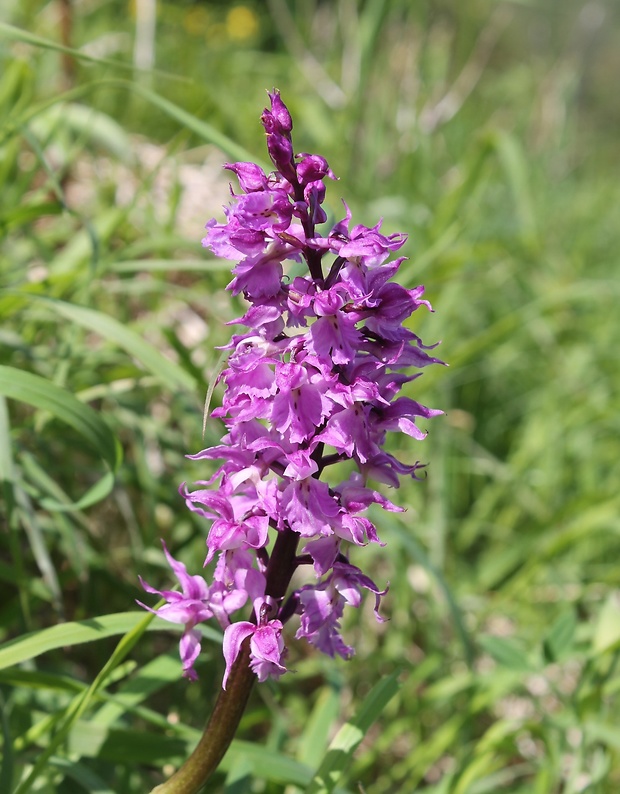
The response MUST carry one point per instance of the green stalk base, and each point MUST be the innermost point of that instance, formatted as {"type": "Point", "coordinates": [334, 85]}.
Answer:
{"type": "Point", "coordinates": [219, 731]}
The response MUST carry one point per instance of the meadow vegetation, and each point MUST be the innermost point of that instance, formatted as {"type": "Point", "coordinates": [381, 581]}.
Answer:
{"type": "Point", "coordinates": [488, 132]}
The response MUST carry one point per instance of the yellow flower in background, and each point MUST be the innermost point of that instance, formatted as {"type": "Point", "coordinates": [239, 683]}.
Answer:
{"type": "Point", "coordinates": [241, 23]}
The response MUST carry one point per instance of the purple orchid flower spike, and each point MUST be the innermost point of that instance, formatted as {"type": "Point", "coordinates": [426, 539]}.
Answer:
{"type": "Point", "coordinates": [315, 380]}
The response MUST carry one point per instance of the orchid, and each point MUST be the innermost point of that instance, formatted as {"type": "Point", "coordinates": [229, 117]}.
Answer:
{"type": "Point", "coordinates": [315, 380]}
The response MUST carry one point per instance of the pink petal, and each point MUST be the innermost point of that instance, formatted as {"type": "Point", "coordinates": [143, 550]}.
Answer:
{"type": "Point", "coordinates": [233, 637]}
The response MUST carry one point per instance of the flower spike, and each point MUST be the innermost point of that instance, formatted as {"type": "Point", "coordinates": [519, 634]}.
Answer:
{"type": "Point", "coordinates": [315, 380]}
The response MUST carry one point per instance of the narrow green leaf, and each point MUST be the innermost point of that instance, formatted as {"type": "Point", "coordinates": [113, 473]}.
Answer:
{"type": "Point", "coordinates": [84, 246]}
{"type": "Point", "coordinates": [150, 678]}
{"type": "Point", "coordinates": [90, 740]}
{"type": "Point", "coordinates": [559, 640]}
{"type": "Point", "coordinates": [99, 491]}
{"type": "Point", "coordinates": [82, 775]}
{"type": "Point", "coordinates": [100, 128]}
{"type": "Point", "coordinates": [452, 202]}
{"type": "Point", "coordinates": [41, 393]}
{"type": "Point", "coordinates": [267, 764]}
{"type": "Point", "coordinates": [485, 762]}
{"type": "Point", "coordinates": [6, 760]}
{"type": "Point", "coordinates": [121, 746]}
{"type": "Point", "coordinates": [239, 778]}
{"type": "Point", "coordinates": [411, 544]}
{"type": "Point", "coordinates": [34, 679]}
{"type": "Point", "coordinates": [7, 472]}
{"type": "Point", "coordinates": [607, 629]}
{"type": "Point", "coordinates": [428, 752]}
{"type": "Point", "coordinates": [219, 366]}
{"type": "Point", "coordinates": [201, 128]}
{"type": "Point", "coordinates": [20, 216]}
{"type": "Point", "coordinates": [515, 166]}
{"type": "Point", "coordinates": [81, 702]}
{"type": "Point", "coordinates": [598, 731]}
{"type": "Point", "coordinates": [113, 330]}
{"type": "Point", "coordinates": [14, 33]}
{"type": "Point", "coordinates": [77, 632]}
{"type": "Point", "coordinates": [350, 735]}
{"type": "Point", "coordinates": [412, 271]}
{"type": "Point", "coordinates": [38, 547]}
{"type": "Point", "coordinates": [18, 34]}
{"type": "Point", "coordinates": [16, 85]}
{"type": "Point", "coordinates": [314, 740]}
{"type": "Point", "coordinates": [506, 651]}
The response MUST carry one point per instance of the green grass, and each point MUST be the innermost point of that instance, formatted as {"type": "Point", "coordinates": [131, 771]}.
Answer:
{"type": "Point", "coordinates": [487, 131]}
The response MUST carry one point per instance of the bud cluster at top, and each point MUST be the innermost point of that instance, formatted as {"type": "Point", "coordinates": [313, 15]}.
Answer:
{"type": "Point", "coordinates": [314, 381]}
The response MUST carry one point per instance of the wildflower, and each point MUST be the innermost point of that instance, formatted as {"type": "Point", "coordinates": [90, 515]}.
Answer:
{"type": "Point", "coordinates": [189, 607]}
{"type": "Point", "coordinates": [266, 648]}
{"type": "Point", "coordinates": [314, 380]}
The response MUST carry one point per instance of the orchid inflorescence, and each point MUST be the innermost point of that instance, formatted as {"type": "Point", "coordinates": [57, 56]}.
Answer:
{"type": "Point", "coordinates": [312, 383]}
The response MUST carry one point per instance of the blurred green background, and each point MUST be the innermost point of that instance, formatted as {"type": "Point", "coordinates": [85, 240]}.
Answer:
{"type": "Point", "coordinates": [488, 131]}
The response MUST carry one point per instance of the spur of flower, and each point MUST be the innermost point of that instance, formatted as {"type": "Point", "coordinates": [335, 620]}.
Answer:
{"type": "Point", "coordinates": [315, 380]}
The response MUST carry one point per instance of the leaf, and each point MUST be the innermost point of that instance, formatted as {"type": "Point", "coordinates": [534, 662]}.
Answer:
{"type": "Point", "coordinates": [114, 331]}
{"type": "Point", "coordinates": [351, 734]}
{"type": "Point", "coordinates": [559, 640]}
{"type": "Point", "coordinates": [268, 764]}
{"type": "Point", "coordinates": [34, 679]}
{"type": "Point", "coordinates": [89, 780]}
{"type": "Point", "coordinates": [197, 126]}
{"type": "Point", "coordinates": [217, 369]}
{"type": "Point", "coordinates": [80, 703]}
{"type": "Point", "coordinates": [147, 680]}
{"type": "Point", "coordinates": [84, 247]}
{"type": "Point", "coordinates": [100, 128]}
{"type": "Point", "coordinates": [598, 731]}
{"type": "Point", "coordinates": [18, 34]}
{"type": "Point", "coordinates": [514, 162]}
{"type": "Point", "coordinates": [6, 759]}
{"type": "Point", "coordinates": [314, 738]}
{"type": "Point", "coordinates": [77, 632]}
{"type": "Point", "coordinates": [607, 629]}
{"type": "Point", "coordinates": [108, 674]}
{"type": "Point", "coordinates": [123, 746]}
{"type": "Point", "coordinates": [7, 471]}
{"type": "Point", "coordinates": [417, 551]}
{"type": "Point", "coordinates": [239, 778]}
{"type": "Point", "coordinates": [42, 393]}
{"type": "Point", "coordinates": [506, 652]}
{"type": "Point", "coordinates": [477, 766]}
{"type": "Point", "coordinates": [19, 216]}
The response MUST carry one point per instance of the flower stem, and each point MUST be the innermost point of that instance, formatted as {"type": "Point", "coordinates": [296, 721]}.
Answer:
{"type": "Point", "coordinates": [219, 731]}
{"type": "Point", "coordinates": [230, 705]}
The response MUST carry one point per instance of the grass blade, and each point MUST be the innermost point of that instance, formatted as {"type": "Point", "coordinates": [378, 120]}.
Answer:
{"type": "Point", "coordinates": [201, 128]}
{"type": "Point", "coordinates": [42, 393]}
{"type": "Point", "coordinates": [350, 735]}
{"type": "Point", "coordinates": [114, 331]}
{"type": "Point", "coordinates": [75, 633]}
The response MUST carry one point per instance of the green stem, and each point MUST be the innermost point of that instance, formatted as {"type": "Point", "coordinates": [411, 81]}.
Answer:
{"type": "Point", "coordinates": [224, 720]}
{"type": "Point", "coordinates": [219, 732]}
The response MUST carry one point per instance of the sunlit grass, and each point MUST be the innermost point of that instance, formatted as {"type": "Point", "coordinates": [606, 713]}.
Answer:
{"type": "Point", "coordinates": [492, 150]}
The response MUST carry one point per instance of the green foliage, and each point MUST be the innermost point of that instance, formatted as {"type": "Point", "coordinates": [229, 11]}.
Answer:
{"type": "Point", "coordinates": [486, 130]}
